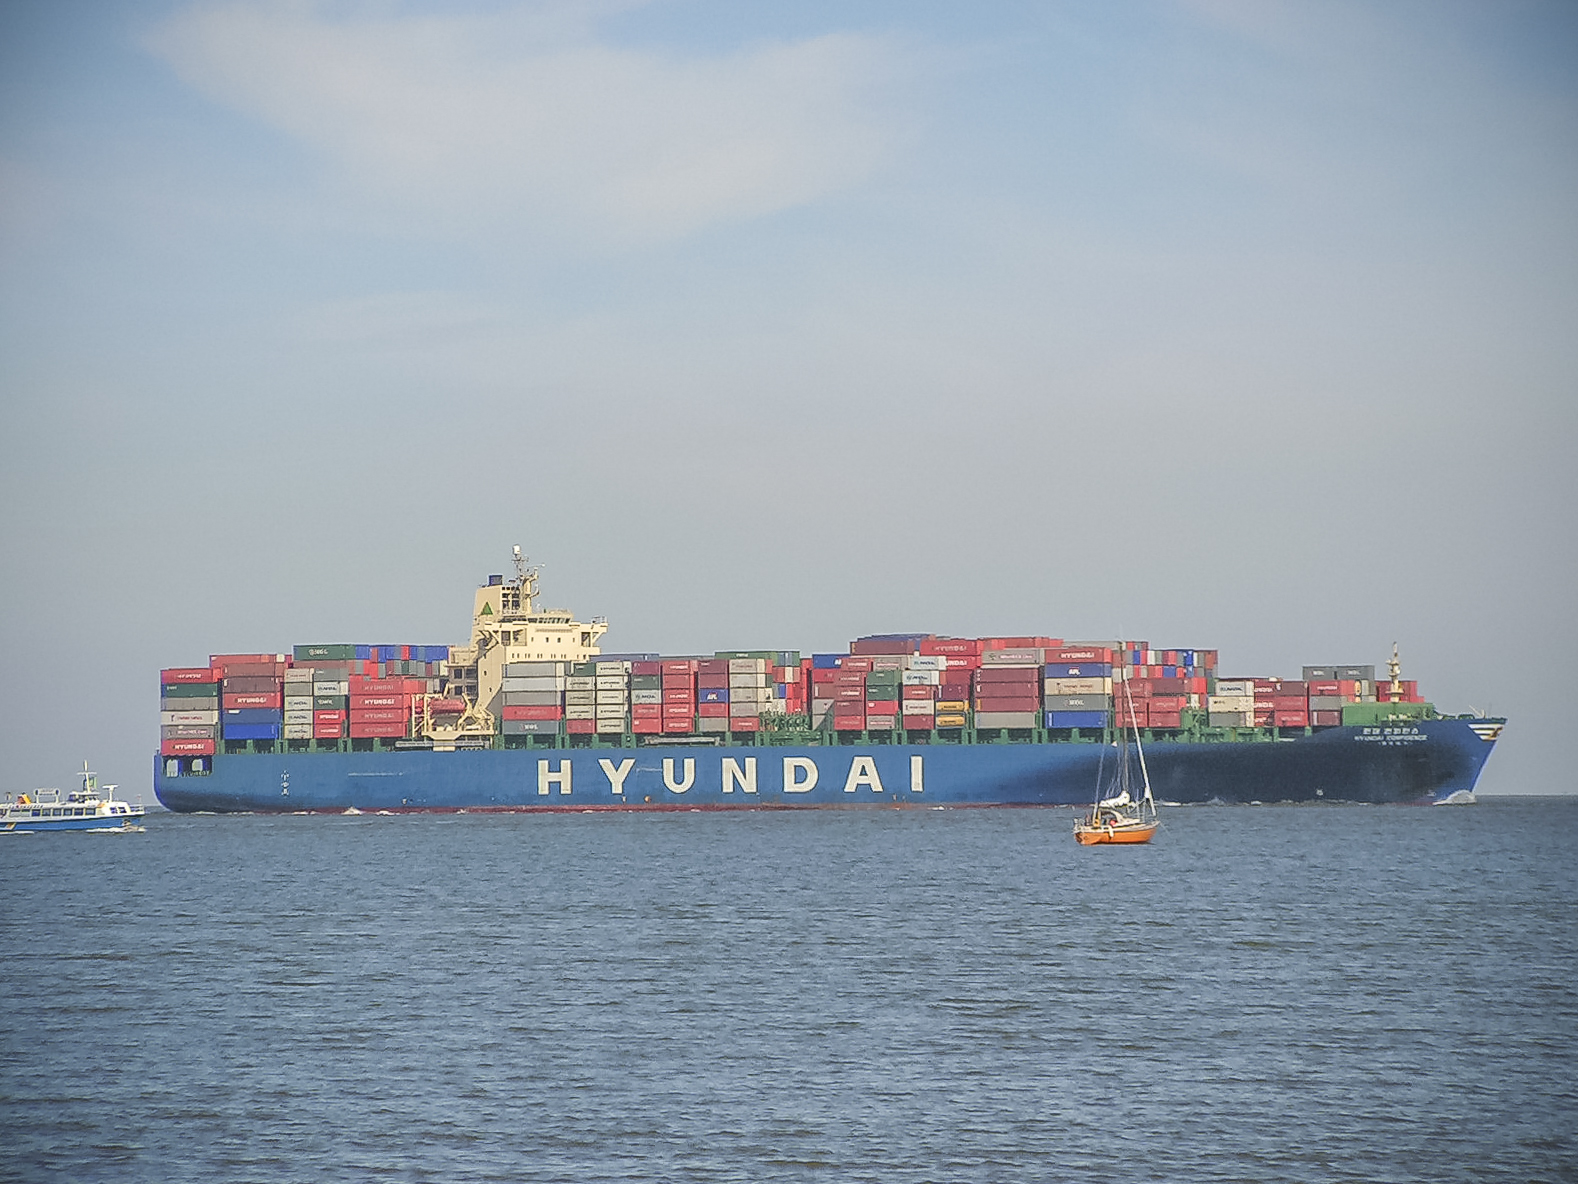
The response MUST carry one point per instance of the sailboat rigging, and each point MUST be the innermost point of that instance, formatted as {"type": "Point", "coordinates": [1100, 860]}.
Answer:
{"type": "Point", "coordinates": [1122, 812]}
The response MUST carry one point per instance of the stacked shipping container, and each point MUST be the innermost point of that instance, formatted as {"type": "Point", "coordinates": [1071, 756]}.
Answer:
{"type": "Point", "coordinates": [911, 684]}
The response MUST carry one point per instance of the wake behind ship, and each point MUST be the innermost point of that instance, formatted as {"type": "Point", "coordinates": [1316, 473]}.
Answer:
{"type": "Point", "coordinates": [530, 715]}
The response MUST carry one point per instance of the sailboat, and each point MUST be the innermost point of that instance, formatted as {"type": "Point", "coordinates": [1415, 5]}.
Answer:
{"type": "Point", "coordinates": [1122, 812]}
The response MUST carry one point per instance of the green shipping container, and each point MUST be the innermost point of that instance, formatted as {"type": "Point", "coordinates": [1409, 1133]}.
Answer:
{"type": "Point", "coordinates": [190, 690]}
{"type": "Point", "coordinates": [332, 653]}
{"type": "Point", "coordinates": [1366, 715]}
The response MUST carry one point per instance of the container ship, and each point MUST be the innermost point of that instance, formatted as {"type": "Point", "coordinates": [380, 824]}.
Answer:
{"type": "Point", "coordinates": [530, 715]}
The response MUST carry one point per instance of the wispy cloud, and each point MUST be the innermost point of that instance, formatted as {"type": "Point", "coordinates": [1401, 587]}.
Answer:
{"type": "Point", "coordinates": [529, 118]}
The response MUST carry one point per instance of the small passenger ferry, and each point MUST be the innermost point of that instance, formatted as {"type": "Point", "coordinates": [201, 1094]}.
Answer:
{"type": "Point", "coordinates": [81, 809]}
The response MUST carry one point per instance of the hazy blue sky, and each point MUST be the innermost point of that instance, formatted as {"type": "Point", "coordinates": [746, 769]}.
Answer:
{"type": "Point", "coordinates": [1238, 325]}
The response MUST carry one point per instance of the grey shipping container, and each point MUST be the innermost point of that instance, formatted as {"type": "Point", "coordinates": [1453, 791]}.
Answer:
{"type": "Point", "coordinates": [532, 698]}
{"type": "Point", "coordinates": [531, 727]}
{"type": "Point", "coordinates": [1006, 719]}
{"type": "Point", "coordinates": [1079, 703]}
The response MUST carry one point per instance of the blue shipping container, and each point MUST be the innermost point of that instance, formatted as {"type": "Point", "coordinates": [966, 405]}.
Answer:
{"type": "Point", "coordinates": [364, 653]}
{"type": "Point", "coordinates": [251, 731]}
{"type": "Point", "coordinates": [1076, 719]}
{"type": "Point", "coordinates": [1077, 670]}
{"type": "Point", "coordinates": [827, 661]}
{"type": "Point", "coordinates": [254, 715]}
{"type": "Point", "coordinates": [712, 694]}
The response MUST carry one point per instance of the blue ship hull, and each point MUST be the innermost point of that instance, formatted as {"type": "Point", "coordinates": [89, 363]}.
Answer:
{"type": "Point", "coordinates": [1428, 761]}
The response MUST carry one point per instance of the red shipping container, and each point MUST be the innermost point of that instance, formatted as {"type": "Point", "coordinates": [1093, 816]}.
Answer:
{"type": "Point", "coordinates": [328, 731]}
{"type": "Point", "coordinates": [532, 712]}
{"type": "Point", "coordinates": [676, 724]}
{"type": "Point", "coordinates": [1017, 703]}
{"type": "Point", "coordinates": [1263, 716]}
{"type": "Point", "coordinates": [253, 670]}
{"type": "Point", "coordinates": [1331, 687]}
{"type": "Point", "coordinates": [646, 727]}
{"type": "Point", "coordinates": [688, 702]}
{"type": "Point", "coordinates": [1025, 674]}
{"type": "Point", "coordinates": [580, 727]}
{"type": "Point", "coordinates": [646, 668]}
{"type": "Point", "coordinates": [713, 666]}
{"type": "Point", "coordinates": [239, 699]}
{"type": "Point", "coordinates": [712, 710]}
{"type": "Point", "coordinates": [1326, 719]}
{"type": "Point", "coordinates": [361, 685]}
{"type": "Point", "coordinates": [1168, 703]}
{"type": "Point", "coordinates": [646, 711]}
{"type": "Point", "coordinates": [682, 666]}
{"type": "Point", "coordinates": [186, 748]}
{"type": "Point", "coordinates": [1291, 719]}
{"type": "Point", "coordinates": [885, 646]}
{"type": "Point", "coordinates": [180, 674]}
{"type": "Point", "coordinates": [711, 681]}
{"type": "Point", "coordinates": [821, 674]}
{"type": "Point", "coordinates": [371, 701]}
{"type": "Point", "coordinates": [1065, 654]}
{"type": "Point", "coordinates": [856, 663]}
{"type": "Point", "coordinates": [854, 693]}
{"type": "Point", "coordinates": [951, 646]}
{"type": "Point", "coordinates": [926, 692]}
{"type": "Point", "coordinates": [378, 715]}
{"type": "Point", "coordinates": [325, 718]}
{"type": "Point", "coordinates": [370, 729]}
{"type": "Point", "coordinates": [882, 706]}
{"type": "Point", "coordinates": [679, 682]}
{"type": "Point", "coordinates": [678, 710]}
{"type": "Point", "coordinates": [1163, 719]}
{"type": "Point", "coordinates": [744, 723]}
{"type": "Point", "coordinates": [1020, 643]}
{"type": "Point", "coordinates": [218, 661]}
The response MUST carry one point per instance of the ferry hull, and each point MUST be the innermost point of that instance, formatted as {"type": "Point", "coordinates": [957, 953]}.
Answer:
{"type": "Point", "coordinates": [1427, 761]}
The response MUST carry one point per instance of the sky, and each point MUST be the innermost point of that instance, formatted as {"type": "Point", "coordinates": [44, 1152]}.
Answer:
{"type": "Point", "coordinates": [1245, 326]}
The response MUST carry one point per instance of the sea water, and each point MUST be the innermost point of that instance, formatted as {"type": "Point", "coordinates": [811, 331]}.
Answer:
{"type": "Point", "coordinates": [1263, 993]}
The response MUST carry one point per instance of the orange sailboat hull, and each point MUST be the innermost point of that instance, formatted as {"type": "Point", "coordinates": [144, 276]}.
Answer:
{"type": "Point", "coordinates": [1090, 834]}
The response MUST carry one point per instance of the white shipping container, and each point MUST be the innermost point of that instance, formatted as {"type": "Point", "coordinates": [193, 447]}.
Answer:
{"type": "Point", "coordinates": [919, 707]}
{"type": "Point", "coordinates": [747, 666]}
{"type": "Point", "coordinates": [299, 674]}
{"type": "Point", "coordinates": [646, 698]}
{"type": "Point", "coordinates": [171, 718]}
{"type": "Point", "coordinates": [297, 703]}
{"type": "Point", "coordinates": [756, 679]}
{"type": "Point", "coordinates": [612, 682]}
{"type": "Point", "coordinates": [738, 708]}
{"type": "Point", "coordinates": [1231, 719]}
{"type": "Point", "coordinates": [580, 711]}
{"type": "Point", "coordinates": [580, 698]}
{"type": "Point", "coordinates": [1230, 703]}
{"type": "Point", "coordinates": [1235, 686]}
{"type": "Point", "coordinates": [712, 724]}
{"type": "Point", "coordinates": [340, 686]}
{"type": "Point", "coordinates": [921, 678]}
{"type": "Point", "coordinates": [581, 682]}
{"type": "Point", "coordinates": [749, 694]}
{"type": "Point", "coordinates": [298, 731]}
{"type": "Point", "coordinates": [927, 662]}
{"type": "Point", "coordinates": [608, 667]}
{"type": "Point", "coordinates": [1077, 686]}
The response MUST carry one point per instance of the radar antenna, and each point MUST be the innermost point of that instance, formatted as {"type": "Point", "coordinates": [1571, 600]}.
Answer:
{"type": "Point", "coordinates": [526, 581]}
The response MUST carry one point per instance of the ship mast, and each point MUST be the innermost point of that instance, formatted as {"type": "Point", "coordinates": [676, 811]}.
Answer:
{"type": "Point", "coordinates": [1395, 667]}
